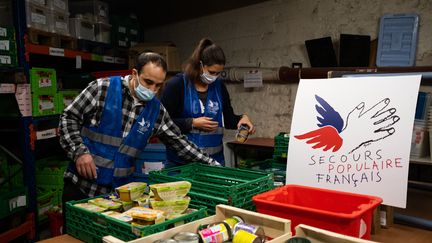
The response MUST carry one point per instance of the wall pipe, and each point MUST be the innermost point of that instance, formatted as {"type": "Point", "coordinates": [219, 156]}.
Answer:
{"type": "Point", "coordinates": [293, 75]}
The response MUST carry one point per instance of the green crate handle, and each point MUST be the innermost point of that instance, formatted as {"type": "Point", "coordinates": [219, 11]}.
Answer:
{"type": "Point", "coordinates": [100, 225]}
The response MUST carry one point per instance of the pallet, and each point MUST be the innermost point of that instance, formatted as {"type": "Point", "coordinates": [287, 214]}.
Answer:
{"type": "Point", "coordinates": [40, 37]}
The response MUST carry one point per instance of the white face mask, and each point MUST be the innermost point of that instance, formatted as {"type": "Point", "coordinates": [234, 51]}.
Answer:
{"type": "Point", "coordinates": [142, 92]}
{"type": "Point", "coordinates": [207, 78]}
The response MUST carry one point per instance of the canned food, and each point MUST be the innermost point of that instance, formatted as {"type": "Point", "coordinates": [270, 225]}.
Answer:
{"type": "Point", "coordinates": [298, 240]}
{"type": "Point", "coordinates": [253, 229]}
{"type": "Point", "coordinates": [232, 221]}
{"type": "Point", "coordinates": [186, 237]}
{"type": "Point", "coordinates": [245, 237]}
{"type": "Point", "coordinates": [242, 133]}
{"type": "Point", "coordinates": [165, 241]}
{"type": "Point", "coordinates": [217, 233]}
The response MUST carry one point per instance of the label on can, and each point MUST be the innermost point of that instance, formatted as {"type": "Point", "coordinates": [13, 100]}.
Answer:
{"type": "Point", "coordinates": [246, 227]}
{"type": "Point", "coordinates": [215, 234]}
{"type": "Point", "coordinates": [245, 237]}
{"type": "Point", "coordinates": [232, 221]}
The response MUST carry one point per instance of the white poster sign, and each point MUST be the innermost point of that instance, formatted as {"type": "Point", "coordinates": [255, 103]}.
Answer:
{"type": "Point", "coordinates": [354, 135]}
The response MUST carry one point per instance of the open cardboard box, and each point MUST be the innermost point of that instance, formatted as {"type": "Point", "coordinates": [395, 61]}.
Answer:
{"type": "Point", "coordinates": [278, 229]}
{"type": "Point", "coordinates": [317, 235]}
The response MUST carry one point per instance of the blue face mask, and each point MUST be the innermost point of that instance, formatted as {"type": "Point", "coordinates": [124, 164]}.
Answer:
{"type": "Point", "coordinates": [143, 93]}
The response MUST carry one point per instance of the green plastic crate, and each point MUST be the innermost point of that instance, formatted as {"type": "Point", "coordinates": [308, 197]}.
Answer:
{"type": "Point", "coordinates": [49, 172]}
{"type": "Point", "coordinates": [12, 200]}
{"type": "Point", "coordinates": [8, 60]}
{"type": "Point", "coordinates": [8, 47]}
{"type": "Point", "coordinates": [213, 185]}
{"type": "Point", "coordinates": [282, 139]}
{"type": "Point", "coordinates": [91, 227]}
{"type": "Point", "coordinates": [57, 193]}
{"type": "Point", "coordinates": [64, 98]}
{"type": "Point", "coordinates": [7, 33]}
{"type": "Point", "coordinates": [45, 201]}
{"type": "Point", "coordinates": [44, 104]}
{"type": "Point", "coordinates": [43, 81]}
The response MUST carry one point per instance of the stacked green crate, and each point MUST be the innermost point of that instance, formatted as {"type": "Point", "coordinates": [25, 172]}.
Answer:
{"type": "Point", "coordinates": [125, 30]}
{"type": "Point", "coordinates": [13, 195]}
{"type": "Point", "coordinates": [281, 142]}
{"type": "Point", "coordinates": [64, 98]}
{"type": "Point", "coordinates": [43, 83]}
{"type": "Point", "coordinates": [212, 185]}
{"type": "Point", "coordinates": [134, 33]}
{"type": "Point", "coordinates": [8, 50]}
{"type": "Point", "coordinates": [49, 177]}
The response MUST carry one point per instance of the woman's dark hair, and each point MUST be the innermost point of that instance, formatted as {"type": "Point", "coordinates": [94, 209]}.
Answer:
{"type": "Point", "coordinates": [152, 57]}
{"type": "Point", "coordinates": [206, 52]}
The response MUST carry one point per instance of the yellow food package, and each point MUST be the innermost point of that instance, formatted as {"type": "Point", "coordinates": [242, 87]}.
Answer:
{"type": "Point", "coordinates": [175, 206]}
{"type": "Point", "coordinates": [170, 190]}
{"type": "Point", "coordinates": [131, 191]}
{"type": "Point", "coordinates": [106, 203]}
{"type": "Point", "coordinates": [90, 207]}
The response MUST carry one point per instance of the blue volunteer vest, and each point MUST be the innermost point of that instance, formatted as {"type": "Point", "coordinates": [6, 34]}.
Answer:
{"type": "Point", "coordinates": [209, 142]}
{"type": "Point", "coordinates": [114, 155]}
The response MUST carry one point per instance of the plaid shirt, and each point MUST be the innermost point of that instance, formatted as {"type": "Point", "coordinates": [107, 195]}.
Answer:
{"type": "Point", "coordinates": [87, 109]}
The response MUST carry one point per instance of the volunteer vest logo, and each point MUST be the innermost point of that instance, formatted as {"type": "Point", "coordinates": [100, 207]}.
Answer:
{"type": "Point", "coordinates": [213, 107]}
{"type": "Point", "coordinates": [377, 122]}
{"type": "Point", "coordinates": [143, 126]}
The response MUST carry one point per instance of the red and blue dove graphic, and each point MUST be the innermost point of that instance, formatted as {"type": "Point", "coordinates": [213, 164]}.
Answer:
{"type": "Point", "coordinates": [330, 126]}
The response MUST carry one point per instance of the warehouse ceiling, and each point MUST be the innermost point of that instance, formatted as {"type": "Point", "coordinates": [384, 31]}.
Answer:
{"type": "Point", "coordinates": [160, 12]}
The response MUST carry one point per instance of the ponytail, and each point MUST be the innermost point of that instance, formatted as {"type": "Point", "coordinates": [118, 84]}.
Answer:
{"type": "Point", "coordinates": [206, 52]}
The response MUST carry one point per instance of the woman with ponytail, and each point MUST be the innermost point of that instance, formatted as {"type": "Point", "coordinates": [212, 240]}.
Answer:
{"type": "Point", "coordinates": [199, 104]}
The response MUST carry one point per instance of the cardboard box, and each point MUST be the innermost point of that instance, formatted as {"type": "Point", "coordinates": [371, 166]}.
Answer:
{"type": "Point", "coordinates": [276, 228]}
{"type": "Point", "coordinates": [386, 216]}
{"type": "Point", "coordinates": [317, 235]}
{"type": "Point", "coordinates": [167, 50]}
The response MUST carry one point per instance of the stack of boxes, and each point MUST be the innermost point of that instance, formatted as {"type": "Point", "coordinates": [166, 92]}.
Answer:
{"type": "Point", "coordinates": [59, 16]}
{"type": "Point", "coordinates": [48, 15]}
{"type": "Point", "coordinates": [43, 83]}
{"type": "Point", "coordinates": [8, 50]}
{"type": "Point", "coordinates": [125, 30]}
{"type": "Point", "coordinates": [91, 13]}
{"type": "Point", "coordinates": [46, 99]}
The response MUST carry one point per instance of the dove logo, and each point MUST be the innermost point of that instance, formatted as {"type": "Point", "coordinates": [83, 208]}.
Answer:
{"type": "Point", "coordinates": [213, 107]}
{"type": "Point", "coordinates": [360, 128]}
{"type": "Point", "coordinates": [330, 125]}
{"type": "Point", "coordinates": [143, 126]}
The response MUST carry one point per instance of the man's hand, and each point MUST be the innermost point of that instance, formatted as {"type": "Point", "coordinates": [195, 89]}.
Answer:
{"type": "Point", "coordinates": [86, 166]}
{"type": "Point", "coordinates": [205, 123]}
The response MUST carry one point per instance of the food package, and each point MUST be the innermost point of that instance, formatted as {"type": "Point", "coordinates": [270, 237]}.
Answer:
{"type": "Point", "coordinates": [90, 207]}
{"type": "Point", "coordinates": [131, 191]}
{"type": "Point", "coordinates": [106, 203]}
{"type": "Point", "coordinates": [145, 216]}
{"type": "Point", "coordinates": [176, 206]}
{"type": "Point", "coordinates": [170, 190]}
{"type": "Point", "coordinates": [119, 216]}
{"type": "Point", "coordinates": [143, 201]}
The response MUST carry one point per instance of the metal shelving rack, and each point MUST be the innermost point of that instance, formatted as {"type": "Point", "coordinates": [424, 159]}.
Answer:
{"type": "Point", "coordinates": [25, 51]}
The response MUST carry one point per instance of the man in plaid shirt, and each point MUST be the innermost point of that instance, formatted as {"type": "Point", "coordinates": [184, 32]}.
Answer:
{"type": "Point", "coordinates": [106, 127]}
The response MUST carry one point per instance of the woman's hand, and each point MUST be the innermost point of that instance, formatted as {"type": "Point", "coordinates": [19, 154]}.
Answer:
{"type": "Point", "coordinates": [205, 123]}
{"type": "Point", "coordinates": [245, 120]}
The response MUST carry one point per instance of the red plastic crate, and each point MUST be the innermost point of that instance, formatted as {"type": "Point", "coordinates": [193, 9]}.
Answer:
{"type": "Point", "coordinates": [341, 212]}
